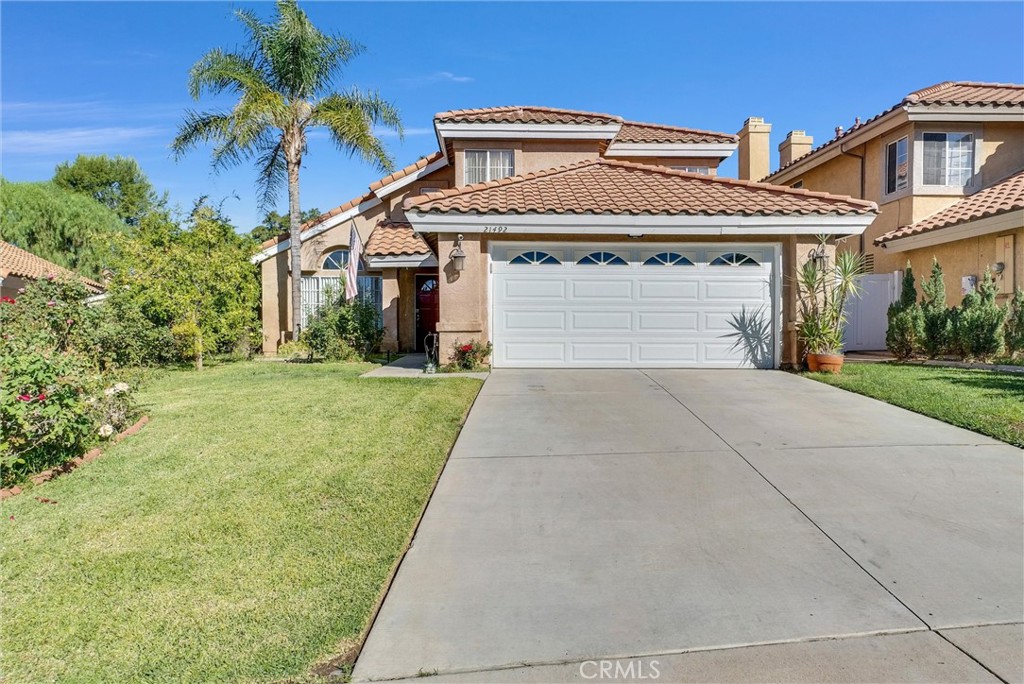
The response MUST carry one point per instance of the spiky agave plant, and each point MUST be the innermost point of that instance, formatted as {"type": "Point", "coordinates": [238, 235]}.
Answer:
{"type": "Point", "coordinates": [823, 293]}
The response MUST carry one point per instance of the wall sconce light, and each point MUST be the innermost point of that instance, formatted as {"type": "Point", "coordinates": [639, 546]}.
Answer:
{"type": "Point", "coordinates": [819, 257]}
{"type": "Point", "coordinates": [457, 256]}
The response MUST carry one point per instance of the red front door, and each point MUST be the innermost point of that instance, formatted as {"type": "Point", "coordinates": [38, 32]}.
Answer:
{"type": "Point", "coordinates": [428, 308]}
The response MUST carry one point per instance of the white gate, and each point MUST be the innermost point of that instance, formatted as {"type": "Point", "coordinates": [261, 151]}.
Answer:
{"type": "Point", "coordinates": [867, 316]}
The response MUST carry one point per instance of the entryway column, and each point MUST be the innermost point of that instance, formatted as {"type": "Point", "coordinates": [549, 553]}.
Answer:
{"type": "Point", "coordinates": [463, 305]}
{"type": "Point", "coordinates": [389, 305]}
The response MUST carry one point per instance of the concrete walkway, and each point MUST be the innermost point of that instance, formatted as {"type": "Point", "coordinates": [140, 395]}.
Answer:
{"type": "Point", "coordinates": [709, 526]}
{"type": "Point", "coordinates": [411, 366]}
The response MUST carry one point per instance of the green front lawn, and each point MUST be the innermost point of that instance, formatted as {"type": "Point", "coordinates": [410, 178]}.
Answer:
{"type": "Point", "coordinates": [984, 401]}
{"type": "Point", "coordinates": [245, 534]}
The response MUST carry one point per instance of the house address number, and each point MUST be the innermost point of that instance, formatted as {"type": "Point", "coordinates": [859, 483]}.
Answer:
{"type": "Point", "coordinates": [495, 229]}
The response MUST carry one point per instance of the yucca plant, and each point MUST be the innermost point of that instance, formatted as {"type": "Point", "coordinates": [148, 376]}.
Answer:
{"type": "Point", "coordinates": [823, 291]}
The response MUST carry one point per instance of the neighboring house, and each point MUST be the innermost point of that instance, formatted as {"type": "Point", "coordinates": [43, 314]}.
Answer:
{"type": "Point", "coordinates": [946, 167]}
{"type": "Point", "coordinates": [18, 268]}
{"type": "Point", "coordinates": [573, 239]}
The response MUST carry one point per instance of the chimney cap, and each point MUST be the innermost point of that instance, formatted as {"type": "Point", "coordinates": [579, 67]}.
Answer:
{"type": "Point", "coordinates": [753, 119]}
{"type": "Point", "coordinates": [795, 133]}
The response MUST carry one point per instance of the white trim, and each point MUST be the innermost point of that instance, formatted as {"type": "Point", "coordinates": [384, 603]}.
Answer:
{"type": "Point", "coordinates": [965, 113]}
{"type": "Point", "coordinates": [613, 224]}
{"type": "Point", "coordinates": [484, 131]}
{"type": "Point", "coordinates": [430, 168]}
{"type": "Point", "coordinates": [402, 261]}
{"type": "Point", "coordinates": [1011, 220]}
{"type": "Point", "coordinates": [327, 224]}
{"type": "Point", "coordinates": [719, 150]}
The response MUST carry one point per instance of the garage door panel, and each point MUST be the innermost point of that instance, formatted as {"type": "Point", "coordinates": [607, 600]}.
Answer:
{"type": "Point", "coordinates": [532, 321]}
{"type": "Point", "coordinates": [665, 313]}
{"type": "Point", "coordinates": [659, 321]}
{"type": "Point", "coordinates": [523, 288]}
{"type": "Point", "coordinates": [668, 352]}
{"type": "Point", "coordinates": [669, 288]}
{"type": "Point", "coordinates": [619, 321]}
{"type": "Point", "coordinates": [607, 290]}
{"type": "Point", "coordinates": [601, 352]}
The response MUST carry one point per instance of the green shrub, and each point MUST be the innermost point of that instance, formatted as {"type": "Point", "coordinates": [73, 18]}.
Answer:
{"type": "Point", "coordinates": [294, 351]}
{"type": "Point", "coordinates": [938, 328]}
{"type": "Point", "coordinates": [344, 331]}
{"type": "Point", "coordinates": [905, 334]}
{"type": "Point", "coordinates": [1013, 327]}
{"type": "Point", "coordinates": [125, 338]}
{"type": "Point", "coordinates": [978, 322]}
{"type": "Point", "coordinates": [468, 356]}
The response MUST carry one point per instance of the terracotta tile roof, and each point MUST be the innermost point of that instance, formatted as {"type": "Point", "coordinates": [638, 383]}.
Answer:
{"type": "Point", "coordinates": [636, 132]}
{"type": "Point", "coordinates": [402, 173]}
{"type": "Point", "coordinates": [354, 202]}
{"type": "Point", "coordinates": [395, 238]}
{"type": "Point", "coordinates": [16, 261]}
{"type": "Point", "coordinates": [966, 93]}
{"type": "Point", "coordinates": [1003, 197]}
{"type": "Point", "coordinates": [969, 93]}
{"type": "Point", "coordinates": [604, 186]}
{"type": "Point", "coordinates": [524, 114]}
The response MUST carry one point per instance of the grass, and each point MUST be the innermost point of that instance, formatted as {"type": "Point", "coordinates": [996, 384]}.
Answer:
{"type": "Point", "coordinates": [988, 402]}
{"type": "Point", "coordinates": [244, 535]}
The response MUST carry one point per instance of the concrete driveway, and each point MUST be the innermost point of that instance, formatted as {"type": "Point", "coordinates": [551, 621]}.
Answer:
{"type": "Point", "coordinates": [708, 526]}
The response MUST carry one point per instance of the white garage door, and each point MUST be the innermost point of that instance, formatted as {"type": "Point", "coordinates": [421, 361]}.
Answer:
{"type": "Point", "coordinates": [615, 305]}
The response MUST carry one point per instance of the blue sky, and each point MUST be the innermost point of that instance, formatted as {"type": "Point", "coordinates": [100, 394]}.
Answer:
{"type": "Point", "coordinates": [110, 77]}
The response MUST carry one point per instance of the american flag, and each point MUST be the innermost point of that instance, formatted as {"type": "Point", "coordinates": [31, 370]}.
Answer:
{"type": "Point", "coordinates": [355, 253]}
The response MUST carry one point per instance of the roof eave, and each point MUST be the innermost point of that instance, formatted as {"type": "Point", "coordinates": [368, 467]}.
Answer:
{"type": "Point", "coordinates": [683, 150]}
{"type": "Point", "coordinates": [1007, 220]}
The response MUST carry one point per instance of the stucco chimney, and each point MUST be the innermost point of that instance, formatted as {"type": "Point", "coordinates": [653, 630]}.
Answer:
{"type": "Point", "coordinates": [754, 149]}
{"type": "Point", "coordinates": [796, 145]}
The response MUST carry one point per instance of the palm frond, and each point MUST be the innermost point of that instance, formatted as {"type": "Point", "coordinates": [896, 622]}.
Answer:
{"type": "Point", "coordinates": [200, 127]}
{"type": "Point", "coordinates": [272, 174]}
{"type": "Point", "coordinates": [218, 71]}
{"type": "Point", "coordinates": [351, 118]}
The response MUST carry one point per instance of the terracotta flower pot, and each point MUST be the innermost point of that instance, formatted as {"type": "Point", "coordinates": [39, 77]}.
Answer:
{"type": "Point", "coordinates": [825, 363]}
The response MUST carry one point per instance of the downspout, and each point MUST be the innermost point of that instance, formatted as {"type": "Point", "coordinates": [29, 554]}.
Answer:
{"type": "Point", "coordinates": [842, 150]}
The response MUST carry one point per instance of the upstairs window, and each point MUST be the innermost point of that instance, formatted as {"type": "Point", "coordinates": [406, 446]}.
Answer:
{"type": "Point", "coordinates": [897, 166]}
{"type": "Point", "coordinates": [488, 165]}
{"type": "Point", "coordinates": [948, 159]}
{"type": "Point", "coordinates": [702, 170]}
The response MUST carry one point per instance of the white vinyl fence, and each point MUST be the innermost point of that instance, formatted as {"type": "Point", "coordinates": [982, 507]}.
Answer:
{"type": "Point", "coordinates": [867, 316]}
{"type": "Point", "coordinates": [316, 291]}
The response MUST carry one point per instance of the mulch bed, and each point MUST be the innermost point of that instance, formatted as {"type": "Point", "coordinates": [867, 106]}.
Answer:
{"type": "Point", "coordinates": [87, 457]}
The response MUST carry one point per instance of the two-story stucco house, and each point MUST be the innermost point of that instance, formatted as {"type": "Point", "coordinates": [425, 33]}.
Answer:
{"type": "Point", "coordinates": [573, 239]}
{"type": "Point", "coordinates": [945, 166]}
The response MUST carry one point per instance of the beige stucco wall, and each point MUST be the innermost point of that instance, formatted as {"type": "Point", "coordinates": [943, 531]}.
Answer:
{"type": "Point", "coordinates": [1000, 152]}
{"type": "Point", "coordinates": [970, 257]}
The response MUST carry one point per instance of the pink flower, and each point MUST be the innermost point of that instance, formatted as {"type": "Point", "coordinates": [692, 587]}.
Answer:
{"type": "Point", "coordinates": [50, 276]}
{"type": "Point", "coordinates": [42, 396]}
{"type": "Point", "coordinates": [21, 290]}
{"type": "Point", "coordinates": [51, 303]}
{"type": "Point", "coordinates": [24, 397]}
{"type": "Point", "coordinates": [70, 322]}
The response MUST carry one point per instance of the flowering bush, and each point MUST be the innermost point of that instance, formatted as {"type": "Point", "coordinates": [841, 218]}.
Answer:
{"type": "Point", "coordinates": [55, 394]}
{"type": "Point", "coordinates": [468, 355]}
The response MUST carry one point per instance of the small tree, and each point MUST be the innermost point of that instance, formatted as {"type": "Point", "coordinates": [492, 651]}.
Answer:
{"type": "Point", "coordinates": [823, 293]}
{"type": "Point", "coordinates": [197, 279]}
{"type": "Point", "coordinates": [1013, 328]}
{"type": "Point", "coordinates": [905, 333]}
{"type": "Point", "coordinates": [978, 322]}
{"type": "Point", "coordinates": [937, 323]}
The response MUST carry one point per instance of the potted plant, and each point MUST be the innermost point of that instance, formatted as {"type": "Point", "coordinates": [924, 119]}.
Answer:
{"type": "Point", "coordinates": [823, 290]}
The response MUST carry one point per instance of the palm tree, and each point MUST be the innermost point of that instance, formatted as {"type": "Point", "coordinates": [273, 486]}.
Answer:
{"type": "Point", "coordinates": [284, 80]}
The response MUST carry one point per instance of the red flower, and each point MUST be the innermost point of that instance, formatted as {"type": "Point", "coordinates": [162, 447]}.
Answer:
{"type": "Point", "coordinates": [42, 396]}
{"type": "Point", "coordinates": [6, 300]}
{"type": "Point", "coordinates": [24, 397]}
{"type": "Point", "coordinates": [466, 348]}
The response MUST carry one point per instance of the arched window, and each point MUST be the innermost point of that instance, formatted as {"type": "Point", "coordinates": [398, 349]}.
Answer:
{"type": "Point", "coordinates": [602, 259]}
{"type": "Point", "coordinates": [533, 258]}
{"type": "Point", "coordinates": [668, 259]}
{"type": "Point", "coordinates": [335, 260]}
{"type": "Point", "coordinates": [735, 259]}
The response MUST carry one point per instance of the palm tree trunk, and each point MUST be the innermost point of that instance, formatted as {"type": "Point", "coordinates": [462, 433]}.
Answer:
{"type": "Point", "coordinates": [295, 243]}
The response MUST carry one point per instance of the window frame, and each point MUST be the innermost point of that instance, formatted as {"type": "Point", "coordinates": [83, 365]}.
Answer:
{"type": "Point", "coordinates": [972, 152]}
{"type": "Point", "coordinates": [328, 253]}
{"type": "Point", "coordinates": [907, 178]}
{"type": "Point", "coordinates": [487, 165]}
{"type": "Point", "coordinates": [699, 170]}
